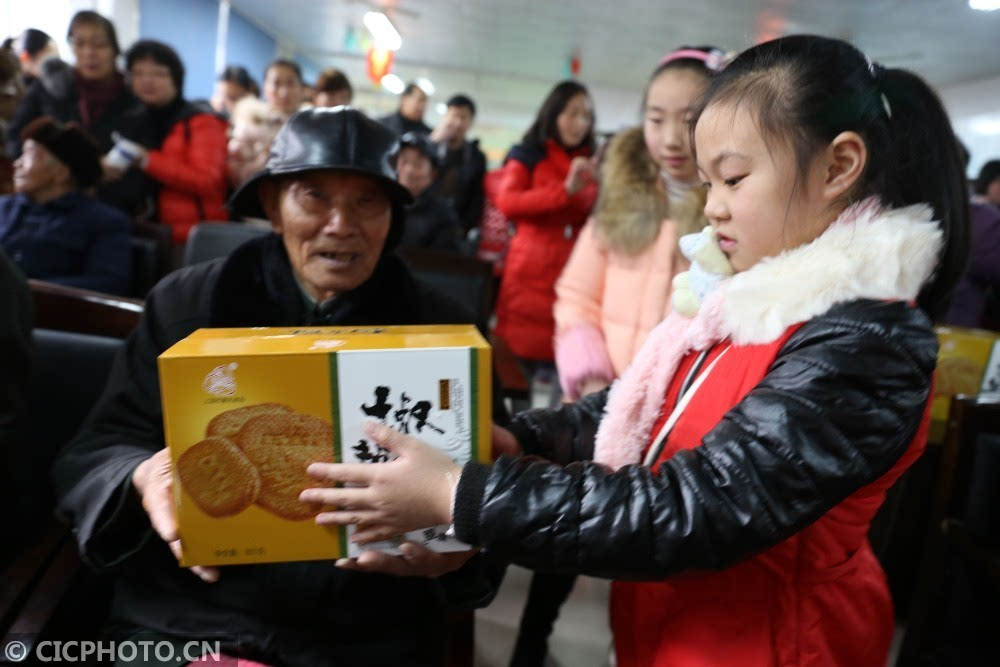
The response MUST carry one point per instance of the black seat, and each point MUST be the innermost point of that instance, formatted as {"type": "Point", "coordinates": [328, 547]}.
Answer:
{"type": "Point", "coordinates": [145, 265]}
{"type": "Point", "coordinates": [954, 613]}
{"type": "Point", "coordinates": [466, 280]}
{"type": "Point", "coordinates": [163, 237]}
{"type": "Point", "coordinates": [209, 240]}
{"type": "Point", "coordinates": [44, 592]}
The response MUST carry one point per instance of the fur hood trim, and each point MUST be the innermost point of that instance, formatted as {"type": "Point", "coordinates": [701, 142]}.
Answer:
{"type": "Point", "coordinates": [867, 253]}
{"type": "Point", "coordinates": [632, 204]}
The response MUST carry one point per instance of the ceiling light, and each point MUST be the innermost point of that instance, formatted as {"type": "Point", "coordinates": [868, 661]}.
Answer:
{"type": "Point", "coordinates": [986, 124]}
{"type": "Point", "coordinates": [393, 84]}
{"type": "Point", "coordinates": [382, 31]}
{"type": "Point", "coordinates": [426, 85]}
{"type": "Point", "coordinates": [985, 5]}
{"type": "Point", "coordinates": [441, 108]}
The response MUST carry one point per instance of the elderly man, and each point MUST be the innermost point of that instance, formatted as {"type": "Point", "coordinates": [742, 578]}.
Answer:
{"type": "Point", "coordinates": [336, 216]}
{"type": "Point", "coordinates": [52, 229]}
{"type": "Point", "coordinates": [430, 220]}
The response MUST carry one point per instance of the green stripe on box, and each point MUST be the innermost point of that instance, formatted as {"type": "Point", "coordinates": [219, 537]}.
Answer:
{"type": "Point", "coordinates": [335, 422]}
{"type": "Point", "coordinates": [474, 403]}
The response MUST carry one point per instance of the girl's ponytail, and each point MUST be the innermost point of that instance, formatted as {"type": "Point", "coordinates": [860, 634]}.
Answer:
{"type": "Point", "coordinates": [925, 165]}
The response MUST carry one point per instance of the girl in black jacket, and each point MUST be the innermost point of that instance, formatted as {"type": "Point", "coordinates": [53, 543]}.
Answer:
{"type": "Point", "coordinates": [757, 439]}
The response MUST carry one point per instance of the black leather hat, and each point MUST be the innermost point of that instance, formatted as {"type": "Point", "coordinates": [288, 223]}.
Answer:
{"type": "Point", "coordinates": [319, 139]}
{"type": "Point", "coordinates": [419, 141]}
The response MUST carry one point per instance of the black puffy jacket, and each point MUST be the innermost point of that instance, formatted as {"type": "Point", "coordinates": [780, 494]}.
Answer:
{"type": "Point", "coordinates": [839, 406]}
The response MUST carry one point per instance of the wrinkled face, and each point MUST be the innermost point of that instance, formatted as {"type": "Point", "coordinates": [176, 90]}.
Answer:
{"type": "Point", "coordinates": [414, 105]}
{"type": "Point", "coordinates": [324, 99]}
{"type": "Point", "coordinates": [151, 83]}
{"type": "Point", "coordinates": [665, 124]}
{"type": "Point", "coordinates": [226, 95]}
{"type": "Point", "coordinates": [37, 169]}
{"type": "Point", "coordinates": [94, 53]}
{"type": "Point", "coordinates": [457, 121]}
{"type": "Point", "coordinates": [575, 120]}
{"type": "Point", "coordinates": [414, 170]}
{"type": "Point", "coordinates": [333, 225]}
{"type": "Point", "coordinates": [754, 203]}
{"type": "Point", "coordinates": [282, 89]}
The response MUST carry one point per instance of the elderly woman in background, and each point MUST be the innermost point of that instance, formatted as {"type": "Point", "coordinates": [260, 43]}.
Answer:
{"type": "Point", "coordinates": [92, 93]}
{"type": "Point", "coordinates": [253, 129]}
{"type": "Point", "coordinates": [337, 214]}
{"type": "Point", "coordinates": [51, 228]}
{"type": "Point", "coordinates": [177, 144]}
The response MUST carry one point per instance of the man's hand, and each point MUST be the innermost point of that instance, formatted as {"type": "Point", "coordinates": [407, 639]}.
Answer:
{"type": "Point", "coordinates": [415, 561]}
{"type": "Point", "coordinates": [152, 479]}
{"type": "Point", "coordinates": [504, 443]}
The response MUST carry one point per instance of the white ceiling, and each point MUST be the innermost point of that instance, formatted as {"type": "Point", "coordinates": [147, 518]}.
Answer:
{"type": "Point", "coordinates": [507, 54]}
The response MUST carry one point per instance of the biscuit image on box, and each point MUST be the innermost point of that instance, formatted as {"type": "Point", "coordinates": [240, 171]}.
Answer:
{"type": "Point", "coordinates": [228, 423]}
{"type": "Point", "coordinates": [219, 477]}
{"type": "Point", "coordinates": [281, 446]}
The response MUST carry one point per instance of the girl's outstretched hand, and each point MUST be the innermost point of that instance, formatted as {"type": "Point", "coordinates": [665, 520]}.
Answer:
{"type": "Point", "coordinates": [411, 492]}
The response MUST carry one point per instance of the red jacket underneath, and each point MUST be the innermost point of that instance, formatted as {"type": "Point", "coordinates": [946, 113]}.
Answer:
{"type": "Point", "coordinates": [190, 170]}
{"type": "Point", "coordinates": [548, 221]}
{"type": "Point", "coordinates": [819, 598]}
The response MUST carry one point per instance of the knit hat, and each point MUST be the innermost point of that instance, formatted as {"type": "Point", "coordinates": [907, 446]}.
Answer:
{"type": "Point", "coordinates": [70, 144]}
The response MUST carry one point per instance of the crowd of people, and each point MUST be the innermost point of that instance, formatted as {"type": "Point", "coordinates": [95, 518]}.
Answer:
{"type": "Point", "coordinates": [721, 461]}
{"type": "Point", "coordinates": [172, 161]}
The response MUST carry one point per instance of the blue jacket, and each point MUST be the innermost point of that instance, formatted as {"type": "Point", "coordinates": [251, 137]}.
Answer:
{"type": "Point", "coordinates": [74, 240]}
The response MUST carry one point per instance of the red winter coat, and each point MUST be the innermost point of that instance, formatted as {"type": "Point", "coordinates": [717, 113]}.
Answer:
{"type": "Point", "coordinates": [818, 598]}
{"type": "Point", "coordinates": [547, 221]}
{"type": "Point", "coordinates": [190, 169]}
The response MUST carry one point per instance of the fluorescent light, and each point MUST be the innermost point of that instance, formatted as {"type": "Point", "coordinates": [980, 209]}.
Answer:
{"type": "Point", "coordinates": [393, 84]}
{"type": "Point", "coordinates": [382, 31]}
{"type": "Point", "coordinates": [985, 5]}
{"type": "Point", "coordinates": [987, 124]}
{"type": "Point", "coordinates": [426, 85]}
{"type": "Point", "coordinates": [441, 108]}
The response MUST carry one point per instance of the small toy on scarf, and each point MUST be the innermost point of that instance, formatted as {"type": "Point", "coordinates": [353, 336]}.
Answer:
{"type": "Point", "coordinates": [709, 267]}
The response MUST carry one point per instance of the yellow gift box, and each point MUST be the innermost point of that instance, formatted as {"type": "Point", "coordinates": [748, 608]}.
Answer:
{"type": "Point", "coordinates": [246, 410]}
{"type": "Point", "coordinates": [962, 360]}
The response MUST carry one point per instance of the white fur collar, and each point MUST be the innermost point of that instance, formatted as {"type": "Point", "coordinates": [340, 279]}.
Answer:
{"type": "Point", "coordinates": [868, 253]}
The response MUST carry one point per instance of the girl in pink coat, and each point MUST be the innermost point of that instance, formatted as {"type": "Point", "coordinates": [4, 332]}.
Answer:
{"type": "Point", "coordinates": [616, 285]}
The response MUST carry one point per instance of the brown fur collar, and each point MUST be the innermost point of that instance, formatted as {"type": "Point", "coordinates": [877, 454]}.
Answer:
{"type": "Point", "coordinates": [632, 202]}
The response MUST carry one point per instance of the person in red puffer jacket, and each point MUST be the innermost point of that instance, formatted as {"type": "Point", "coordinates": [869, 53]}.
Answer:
{"type": "Point", "coordinates": [547, 190]}
{"type": "Point", "coordinates": [183, 147]}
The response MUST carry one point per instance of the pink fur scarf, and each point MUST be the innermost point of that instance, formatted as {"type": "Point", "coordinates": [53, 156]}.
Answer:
{"type": "Point", "coordinates": [867, 253]}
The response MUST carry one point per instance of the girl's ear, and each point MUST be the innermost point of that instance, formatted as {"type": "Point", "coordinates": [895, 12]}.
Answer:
{"type": "Point", "coordinates": [847, 156]}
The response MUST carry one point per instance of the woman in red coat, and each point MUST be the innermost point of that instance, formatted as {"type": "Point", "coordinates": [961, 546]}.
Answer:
{"type": "Point", "coordinates": [186, 154]}
{"type": "Point", "coordinates": [547, 190]}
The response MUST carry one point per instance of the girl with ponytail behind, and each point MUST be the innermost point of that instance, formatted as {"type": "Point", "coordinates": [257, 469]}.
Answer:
{"type": "Point", "coordinates": [728, 479]}
{"type": "Point", "coordinates": [616, 285]}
